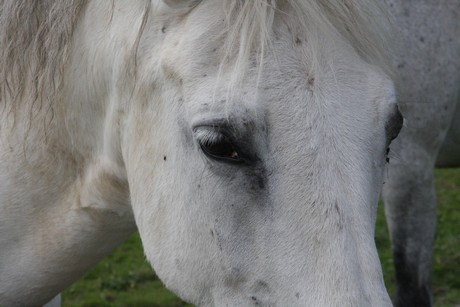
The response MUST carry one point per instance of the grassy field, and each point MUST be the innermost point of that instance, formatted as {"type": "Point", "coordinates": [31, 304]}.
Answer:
{"type": "Point", "coordinates": [446, 271]}
{"type": "Point", "coordinates": [125, 279]}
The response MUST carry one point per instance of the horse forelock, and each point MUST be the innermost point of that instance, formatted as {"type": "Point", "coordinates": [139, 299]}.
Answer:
{"type": "Point", "coordinates": [364, 24]}
{"type": "Point", "coordinates": [35, 38]}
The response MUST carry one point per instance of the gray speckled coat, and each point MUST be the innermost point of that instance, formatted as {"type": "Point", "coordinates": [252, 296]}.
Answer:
{"type": "Point", "coordinates": [428, 84]}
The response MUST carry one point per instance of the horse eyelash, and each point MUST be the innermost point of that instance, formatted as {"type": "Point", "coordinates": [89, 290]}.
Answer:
{"type": "Point", "coordinates": [205, 136]}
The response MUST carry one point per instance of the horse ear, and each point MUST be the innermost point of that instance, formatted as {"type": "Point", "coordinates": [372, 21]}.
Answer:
{"type": "Point", "coordinates": [181, 3]}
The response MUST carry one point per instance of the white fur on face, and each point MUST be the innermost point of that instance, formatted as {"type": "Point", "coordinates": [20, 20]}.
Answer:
{"type": "Point", "coordinates": [291, 225]}
{"type": "Point", "coordinates": [138, 86]}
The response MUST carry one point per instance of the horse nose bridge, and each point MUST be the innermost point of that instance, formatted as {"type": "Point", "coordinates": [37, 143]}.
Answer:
{"type": "Point", "coordinates": [330, 279]}
{"type": "Point", "coordinates": [345, 274]}
{"type": "Point", "coordinates": [328, 273]}
{"type": "Point", "coordinates": [324, 223]}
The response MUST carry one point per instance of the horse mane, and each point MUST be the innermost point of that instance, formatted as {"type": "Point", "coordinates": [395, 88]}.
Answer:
{"type": "Point", "coordinates": [35, 37]}
{"type": "Point", "coordinates": [34, 45]}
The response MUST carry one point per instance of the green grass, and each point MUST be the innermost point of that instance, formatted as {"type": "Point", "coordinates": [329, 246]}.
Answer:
{"type": "Point", "coordinates": [122, 279]}
{"type": "Point", "coordinates": [125, 279]}
{"type": "Point", "coordinates": [446, 264]}
{"type": "Point", "coordinates": [446, 275]}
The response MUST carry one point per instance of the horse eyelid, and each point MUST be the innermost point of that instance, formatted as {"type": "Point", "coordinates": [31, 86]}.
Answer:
{"type": "Point", "coordinates": [207, 136]}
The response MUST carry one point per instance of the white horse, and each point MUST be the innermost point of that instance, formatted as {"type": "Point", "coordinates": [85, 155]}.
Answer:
{"type": "Point", "coordinates": [428, 84]}
{"type": "Point", "coordinates": [246, 141]}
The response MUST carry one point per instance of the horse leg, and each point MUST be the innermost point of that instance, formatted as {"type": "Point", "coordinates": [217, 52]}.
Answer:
{"type": "Point", "coordinates": [410, 208]}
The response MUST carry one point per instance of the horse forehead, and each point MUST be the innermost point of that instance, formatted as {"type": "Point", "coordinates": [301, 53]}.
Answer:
{"type": "Point", "coordinates": [195, 55]}
{"type": "Point", "coordinates": [358, 88]}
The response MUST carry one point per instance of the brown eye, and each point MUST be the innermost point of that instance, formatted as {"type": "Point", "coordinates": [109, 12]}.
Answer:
{"type": "Point", "coordinates": [218, 146]}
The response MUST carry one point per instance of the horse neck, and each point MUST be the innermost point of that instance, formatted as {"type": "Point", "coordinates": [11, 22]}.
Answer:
{"type": "Point", "coordinates": [64, 196]}
{"type": "Point", "coordinates": [98, 85]}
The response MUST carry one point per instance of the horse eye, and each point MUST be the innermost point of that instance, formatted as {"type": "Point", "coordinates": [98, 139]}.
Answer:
{"type": "Point", "coordinates": [394, 126]}
{"type": "Point", "coordinates": [219, 146]}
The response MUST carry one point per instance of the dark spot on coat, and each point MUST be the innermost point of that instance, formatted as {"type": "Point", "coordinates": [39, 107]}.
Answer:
{"type": "Point", "coordinates": [163, 29]}
{"type": "Point", "coordinates": [339, 213]}
{"type": "Point", "coordinates": [164, 158]}
{"type": "Point", "coordinates": [212, 233]}
{"type": "Point", "coordinates": [298, 41]}
{"type": "Point", "coordinates": [422, 39]}
{"type": "Point", "coordinates": [261, 182]}
{"type": "Point", "coordinates": [205, 75]}
{"type": "Point", "coordinates": [311, 81]}
{"type": "Point", "coordinates": [297, 295]}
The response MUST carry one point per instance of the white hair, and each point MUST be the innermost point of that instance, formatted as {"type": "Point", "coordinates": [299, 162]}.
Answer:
{"type": "Point", "coordinates": [364, 24]}
{"type": "Point", "coordinates": [34, 44]}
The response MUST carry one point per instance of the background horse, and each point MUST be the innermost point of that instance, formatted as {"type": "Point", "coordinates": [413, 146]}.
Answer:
{"type": "Point", "coordinates": [427, 61]}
